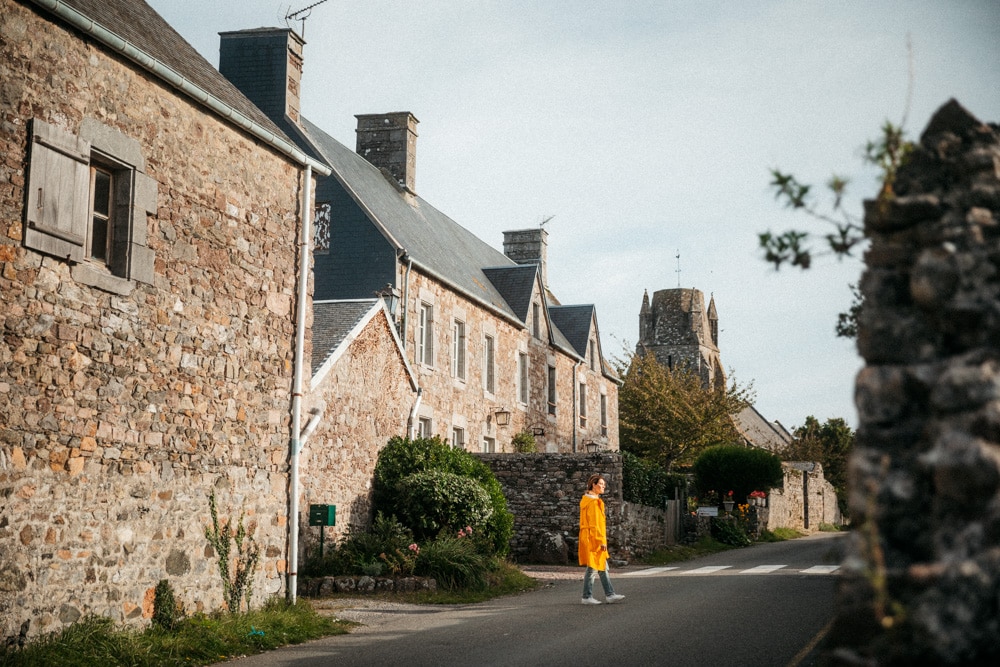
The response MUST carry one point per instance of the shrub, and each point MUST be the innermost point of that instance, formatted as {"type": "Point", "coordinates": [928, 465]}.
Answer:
{"type": "Point", "coordinates": [646, 483]}
{"type": "Point", "coordinates": [360, 552]}
{"type": "Point", "coordinates": [729, 531]}
{"type": "Point", "coordinates": [455, 562]}
{"type": "Point", "coordinates": [737, 469]}
{"type": "Point", "coordinates": [165, 613]}
{"type": "Point", "coordinates": [238, 584]}
{"type": "Point", "coordinates": [402, 457]}
{"type": "Point", "coordinates": [524, 442]}
{"type": "Point", "coordinates": [433, 500]}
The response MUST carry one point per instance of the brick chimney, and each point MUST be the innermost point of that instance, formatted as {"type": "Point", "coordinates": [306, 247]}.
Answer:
{"type": "Point", "coordinates": [266, 65]}
{"type": "Point", "coordinates": [389, 141]}
{"type": "Point", "coordinates": [528, 246]}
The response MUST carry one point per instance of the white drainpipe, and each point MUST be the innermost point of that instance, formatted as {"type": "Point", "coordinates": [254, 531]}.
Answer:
{"type": "Point", "coordinates": [300, 341]}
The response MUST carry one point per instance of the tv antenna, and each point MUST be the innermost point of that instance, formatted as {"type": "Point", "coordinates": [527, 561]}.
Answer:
{"type": "Point", "coordinates": [678, 270]}
{"type": "Point", "coordinates": [302, 15]}
{"type": "Point", "coordinates": [547, 218]}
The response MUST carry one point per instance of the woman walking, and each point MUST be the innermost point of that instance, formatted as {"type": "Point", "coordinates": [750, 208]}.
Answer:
{"type": "Point", "coordinates": [593, 544]}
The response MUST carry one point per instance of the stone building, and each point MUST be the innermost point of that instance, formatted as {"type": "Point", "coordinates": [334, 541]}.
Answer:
{"type": "Point", "coordinates": [680, 332]}
{"type": "Point", "coordinates": [153, 309]}
{"type": "Point", "coordinates": [487, 340]}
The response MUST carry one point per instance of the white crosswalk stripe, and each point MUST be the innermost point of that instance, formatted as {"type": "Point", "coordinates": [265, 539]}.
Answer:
{"type": "Point", "coordinates": [676, 571]}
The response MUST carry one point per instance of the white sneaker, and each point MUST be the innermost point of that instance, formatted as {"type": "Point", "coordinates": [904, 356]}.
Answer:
{"type": "Point", "coordinates": [590, 601]}
{"type": "Point", "coordinates": [615, 598]}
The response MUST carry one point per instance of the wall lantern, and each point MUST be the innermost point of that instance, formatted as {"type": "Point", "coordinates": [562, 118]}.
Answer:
{"type": "Point", "coordinates": [503, 416]}
{"type": "Point", "coordinates": [390, 295]}
{"type": "Point", "coordinates": [537, 431]}
{"type": "Point", "coordinates": [592, 446]}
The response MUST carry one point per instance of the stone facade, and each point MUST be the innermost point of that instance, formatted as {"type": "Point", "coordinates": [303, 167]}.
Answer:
{"type": "Point", "coordinates": [680, 332]}
{"type": "Point", "coordinates": [923, 576]}
{"type": "Point", "coordinates": [804, 501]}
{"type": "Point", "coordinates": [126, 399]}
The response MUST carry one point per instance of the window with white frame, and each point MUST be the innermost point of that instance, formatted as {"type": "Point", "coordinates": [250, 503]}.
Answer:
{"type": "Point", "coordinates": [458, 438]}
{"type": "Point", "coordinates": [424, 429]}
{"type": "Point", "coordinates": [489, 445]}
{"type": "Point", "coordinates": [425, 335]}
{"type": "Point", "coordinates": [583, 405]}
{"type": "Point", "coordinates": [522, 378]}
{"type": "Point", "coordinates": [88, 198]}
{"type": "Point", "coordinates": [489, 364]}
{"type": "Point", "coordinates": [604, 414]}
{"type": "Point", "coordinates": [458, 349]}
{"type": "Point", "coordinates": [552, 390]}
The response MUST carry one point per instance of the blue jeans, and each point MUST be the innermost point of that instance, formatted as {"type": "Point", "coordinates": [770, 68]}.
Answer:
{"type": "Point", "coordinates": [588, 582]}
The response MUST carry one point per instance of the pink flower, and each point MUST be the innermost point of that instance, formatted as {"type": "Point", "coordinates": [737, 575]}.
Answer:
{"type": "Point", "coordinates": [414, 548]}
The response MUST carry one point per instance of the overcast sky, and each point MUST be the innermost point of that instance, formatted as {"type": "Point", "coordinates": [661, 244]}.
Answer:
{"type": "Point", "coordinates": [647, 128]}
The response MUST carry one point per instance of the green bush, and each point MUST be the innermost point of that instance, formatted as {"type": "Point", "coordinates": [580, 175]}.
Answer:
{"type": "Point", "coordinates": [454, 563]}
{"type": "Point", "coordinates": [402, 457]}
{"type": "Point", "coordinates": [646, 483]}
{"type": "Point", "coordinates": [433, 500]}
{"type": "Point", "coordinates": [729, 531]}
{"type": "Point", "coordinates": [524, 442]}
{"type": "Point", "coordinates": [165, 614]}
{"type": "Point", "coordinates": [738, 469]}
{"type": "Point", "coordinates": [360, 552]}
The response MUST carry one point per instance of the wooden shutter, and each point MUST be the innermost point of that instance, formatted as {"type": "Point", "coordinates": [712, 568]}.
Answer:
{"type": "Point", "coordinates": [58, 192]}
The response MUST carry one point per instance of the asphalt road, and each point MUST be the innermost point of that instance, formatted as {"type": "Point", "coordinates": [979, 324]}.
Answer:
{"type": "Point", "coordinates": [764, 605]}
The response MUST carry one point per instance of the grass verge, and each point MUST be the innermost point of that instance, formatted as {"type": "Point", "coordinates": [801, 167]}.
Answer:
{"type": "Point", "coordinates": [197, 640]}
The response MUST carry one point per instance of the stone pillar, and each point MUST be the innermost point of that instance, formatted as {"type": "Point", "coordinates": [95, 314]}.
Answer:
{"type": "Point", "coordinates": [922, 579]}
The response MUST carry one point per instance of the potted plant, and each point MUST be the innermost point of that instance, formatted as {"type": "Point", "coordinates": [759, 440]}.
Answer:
{"type": "Point", "coordinates": [727, 502]}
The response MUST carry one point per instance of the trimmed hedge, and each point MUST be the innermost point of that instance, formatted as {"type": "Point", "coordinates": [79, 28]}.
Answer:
{"type": "Point", "coordinates": [646, 483]}
{"type": "Point", "coordinates": [737, 469]}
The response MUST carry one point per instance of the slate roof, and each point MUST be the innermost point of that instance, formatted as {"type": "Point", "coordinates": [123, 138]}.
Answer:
{"type": "Point", "coordinates": [435, 242]}
{"type": "Point", "coordinates": [574, 322]}
{"type": "Point", "coordinates": [332, 321]}
{"type": "Point", "coordinates": [137, 23]}
{"type": "Point", "coordinates": [515, 284]}
{"type": "Point", "coordinates": [759, 432]}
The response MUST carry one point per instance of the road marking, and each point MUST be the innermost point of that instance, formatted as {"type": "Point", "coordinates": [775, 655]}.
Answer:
{"type": "Point", "coordinates": [652, 570]}
{"type": "Point", "coordinates": [762, 569]}
{"type": "Point", "coordinates": [709, 569]}
{"type": "Point", "coordinates": [821, 569]}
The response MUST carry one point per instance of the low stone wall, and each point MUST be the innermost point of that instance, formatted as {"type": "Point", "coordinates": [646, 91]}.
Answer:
{"type": "Point", "coordinates": [804, 501]}
{"type": "Point", "coordinates": [318, 587]}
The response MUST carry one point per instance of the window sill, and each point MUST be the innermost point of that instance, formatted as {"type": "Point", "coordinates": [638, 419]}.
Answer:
{"type": "Point", "coordinates": [100, 278]}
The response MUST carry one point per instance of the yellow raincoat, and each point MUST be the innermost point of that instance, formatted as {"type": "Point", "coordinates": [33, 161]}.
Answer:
{"type": "Point", "coordinates": [593, 533]}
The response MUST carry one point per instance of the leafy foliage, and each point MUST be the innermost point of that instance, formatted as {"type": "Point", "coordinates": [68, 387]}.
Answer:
{"type": "Point", "coordinates": [668, 417]}
{"type": "Point", "coordinates": [402, 457]}
{"type": "Point", "coordinates": [165, 613]}
{"type": "Point", "coordinates": [737, 469]}
{"type": "Point", "coordinates": [524, 442]}
{"type": "Point", "coordinates": [646, 483]}
{"type": "Point", "coordinates": [360, 551]}
{"type": "Point", "coordinates": [455, 562]}
{"type": "Point", "coordinates": [434, 500]}
{"type": "Point", "coordinates": [729, 531]}
{"type": "Point", "coordinates": [238, 585]}
{"type": "Point", "coordinates": [830, 444]}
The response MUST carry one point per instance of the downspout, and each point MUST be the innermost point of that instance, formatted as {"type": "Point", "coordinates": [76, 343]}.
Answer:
{"type": "Point", "coordinates": [299, 362]}
{"type": "Point", "coordinates": [411, 420]}
{"type": "Point", "coordinates": [406, 302]}
{"type": "Point", "coordinates": [575, 411]}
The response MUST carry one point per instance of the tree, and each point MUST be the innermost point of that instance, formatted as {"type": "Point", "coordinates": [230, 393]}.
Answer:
{"type": "Point", "coordinates": [830, 444]}
{"type": "Point", "coordinates": [667, 416]}
{"type": "Point", "coordinates": [889, 152]}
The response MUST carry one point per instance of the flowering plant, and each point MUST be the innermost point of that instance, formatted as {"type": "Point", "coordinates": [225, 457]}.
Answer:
{"type": "Point", "coordinates": [758, 494]}
{"type": "Point", "coordinates": [729, 496]}
{"type": "Point", "coordinates": [465, 532]}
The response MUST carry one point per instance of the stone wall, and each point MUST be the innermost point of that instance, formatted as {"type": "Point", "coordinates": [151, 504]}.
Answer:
{"type": "Point", "coordinates": [543, 492]}
{"type": "Point", "coordinates": [122, 410]}
{"type": "Point", "coordinates": [804, 501]}
{"type": "Point", "coordinates": [922, 580]}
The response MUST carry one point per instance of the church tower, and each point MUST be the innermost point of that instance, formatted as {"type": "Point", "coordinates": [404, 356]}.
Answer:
{"type": "Point", "coordinates": [680, 332]}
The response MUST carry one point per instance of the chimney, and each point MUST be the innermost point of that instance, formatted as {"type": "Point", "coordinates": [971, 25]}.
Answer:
{"type": "Point", "coordinates": [528, 246]}
{"type": "Point", "coordinates": [266, 65]}
{"type": "Point", "coordinates": [389, 141]}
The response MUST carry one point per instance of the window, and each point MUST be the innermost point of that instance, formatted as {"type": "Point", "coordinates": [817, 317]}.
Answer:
{"type": "Point", "coordinates": [458, 438]}
{"type": "Point", "coordinates": [593, 355]}
{"type": "Point", "coordinates": [321, 229]}
{"type": "Point", "coordinates": [583, 405]}
{"type": "Point", "coordinates": [536, 320]}
{"type": "Point", "coordinates": [425, 335]}
{"type": "Point", "coordinates": [489, 358]}
{"type": "Point", "coordinates": [424, 427]}
{"type": "Point", "coordinates": [458, 349]}
{"type": "Point", "coordinates": [489, 445]}
{"type": "Point", "coordinates": [88, 197]}
{"type": "Point", "coordinates": [522, 378]}
{"type": "Point", "coordinates": [552, 390]}
{"type": "Point", "coordinates": [604, 414]}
